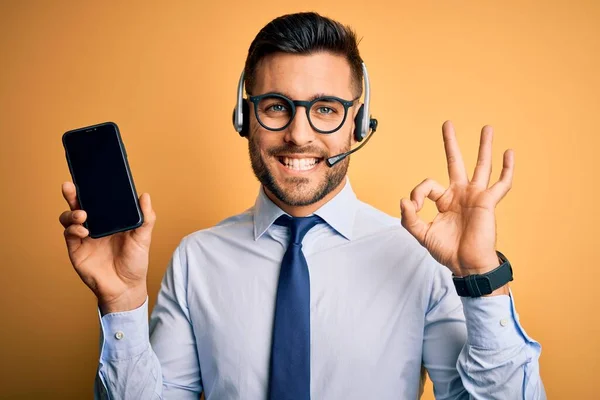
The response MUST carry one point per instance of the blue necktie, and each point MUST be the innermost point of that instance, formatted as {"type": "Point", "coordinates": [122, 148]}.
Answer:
{"type": "Point", "coordinates": [289, 377]}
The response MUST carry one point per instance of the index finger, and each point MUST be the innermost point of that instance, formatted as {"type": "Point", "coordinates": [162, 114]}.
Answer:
{"type": "Point", "coordinates": [456, 166]}
{"type": "Point", "coordinates": [70, 194]}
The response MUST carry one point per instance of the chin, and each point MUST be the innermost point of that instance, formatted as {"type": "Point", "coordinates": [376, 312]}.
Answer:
{"type": "Point", "coordinates": [294, 193]}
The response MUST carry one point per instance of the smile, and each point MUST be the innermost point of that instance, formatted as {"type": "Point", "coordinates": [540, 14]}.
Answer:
{"type": "Point", "coordinates": [299, 164]}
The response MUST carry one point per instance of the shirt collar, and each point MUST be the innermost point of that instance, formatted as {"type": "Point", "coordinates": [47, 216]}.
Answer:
{"type": "Point", "coordinates": [338, 212]}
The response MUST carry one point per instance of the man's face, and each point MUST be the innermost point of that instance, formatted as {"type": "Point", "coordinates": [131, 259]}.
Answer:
{"type": "Point", "coordinates": [291, 163]}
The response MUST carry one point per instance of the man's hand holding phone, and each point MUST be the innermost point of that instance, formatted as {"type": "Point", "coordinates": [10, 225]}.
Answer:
{"type": "Point", "coordinates": [115, 266]}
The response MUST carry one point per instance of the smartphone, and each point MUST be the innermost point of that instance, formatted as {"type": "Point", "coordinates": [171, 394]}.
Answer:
{"type": "Point", "coordinates": [99, 169]}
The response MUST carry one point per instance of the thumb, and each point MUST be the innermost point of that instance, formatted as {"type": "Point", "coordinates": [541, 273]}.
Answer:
{"type": "Point", "coordinates": [411, 221]}
{"type": "Point", "coordinates": [143, 234]}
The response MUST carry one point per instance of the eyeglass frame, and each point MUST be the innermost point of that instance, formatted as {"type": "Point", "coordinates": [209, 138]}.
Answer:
{"type": "Point", "coordinates": [307, 106]}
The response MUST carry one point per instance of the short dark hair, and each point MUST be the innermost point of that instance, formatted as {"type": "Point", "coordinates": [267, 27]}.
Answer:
{"type": "Point", "coordinates": [304, 33]}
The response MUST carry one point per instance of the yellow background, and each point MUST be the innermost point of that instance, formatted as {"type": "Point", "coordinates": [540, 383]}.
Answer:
{"type": "Point", "coordinates": [166, 73]}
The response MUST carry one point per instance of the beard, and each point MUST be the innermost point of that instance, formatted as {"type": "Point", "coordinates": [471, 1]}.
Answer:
{"type": "Point", "coordinates": [302, 192]}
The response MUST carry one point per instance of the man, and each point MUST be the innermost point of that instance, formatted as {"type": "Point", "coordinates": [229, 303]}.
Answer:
{"type": "Point", "coordinates": [311, 292]}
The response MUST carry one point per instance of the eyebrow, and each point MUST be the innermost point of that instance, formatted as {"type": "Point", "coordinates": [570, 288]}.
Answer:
{"type": "Point", "coordinates": [311, 98]}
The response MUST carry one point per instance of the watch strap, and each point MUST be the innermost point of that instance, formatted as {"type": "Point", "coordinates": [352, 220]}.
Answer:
{"type": "Point", "coordinates": [478, 285]}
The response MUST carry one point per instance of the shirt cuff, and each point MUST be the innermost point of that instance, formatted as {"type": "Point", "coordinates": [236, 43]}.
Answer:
{"type": "Point", "coordinates": [492, 322]}
{"type": "Point", "coordinates": [124, 334]}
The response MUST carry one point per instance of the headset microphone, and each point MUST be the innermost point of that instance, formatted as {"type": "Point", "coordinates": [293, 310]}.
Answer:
{"type": "Point", "coordinates": [331, 161]}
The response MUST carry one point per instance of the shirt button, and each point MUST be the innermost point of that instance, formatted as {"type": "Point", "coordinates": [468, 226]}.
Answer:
{"type": "Point", "coordinates": [503, 322]}
{"type": "Point", "coordinates": [119, 335]}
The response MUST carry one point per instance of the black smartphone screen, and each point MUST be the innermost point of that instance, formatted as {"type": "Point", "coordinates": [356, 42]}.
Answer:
{"type": "Point", "coordinates": [100, 171]}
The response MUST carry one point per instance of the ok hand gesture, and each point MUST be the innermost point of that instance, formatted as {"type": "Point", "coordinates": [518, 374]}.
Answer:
{"type": "Point", "coordinates": [463, 234]}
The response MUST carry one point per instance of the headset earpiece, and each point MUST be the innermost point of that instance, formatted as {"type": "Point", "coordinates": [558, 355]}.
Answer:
{"type": "Point", "coordinates": [244, 126]}
{"type": "Point", "coordinates": [241, 111]}
{"type": "Point", "coordinates": [245, 119]}
{"type": "Point", "coordinates": [359, 135]}
{"type": "Point", "coordinates": [245, 123]}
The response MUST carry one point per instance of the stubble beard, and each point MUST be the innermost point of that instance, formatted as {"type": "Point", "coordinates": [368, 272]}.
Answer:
{"type": "Point", "coordinates": [301, 194]}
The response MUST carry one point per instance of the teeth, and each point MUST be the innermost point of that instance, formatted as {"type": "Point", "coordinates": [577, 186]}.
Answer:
{"type": "Point", "coordinates": [299, 164]}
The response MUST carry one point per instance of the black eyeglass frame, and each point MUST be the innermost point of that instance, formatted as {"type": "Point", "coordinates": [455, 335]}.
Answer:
{"type": "Point", "coordinates": [307, 106]}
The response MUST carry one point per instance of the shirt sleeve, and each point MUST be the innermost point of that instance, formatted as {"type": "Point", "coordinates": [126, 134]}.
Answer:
{"type": "Point", "coordinates": [475, 348]}
{"type": "Point", "coordinates": [151, 360]}
{"type": "Point", "coordinates": [499, 359]}
{"type": "Point", "coordinates": [128, 367]}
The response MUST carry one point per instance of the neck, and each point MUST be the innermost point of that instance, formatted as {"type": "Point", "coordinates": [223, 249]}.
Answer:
{"type": "Point", "coordinates": [304, 211]}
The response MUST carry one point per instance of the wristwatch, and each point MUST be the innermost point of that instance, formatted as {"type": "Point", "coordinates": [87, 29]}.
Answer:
{"type": "Point", "coordinates": [481, 284]}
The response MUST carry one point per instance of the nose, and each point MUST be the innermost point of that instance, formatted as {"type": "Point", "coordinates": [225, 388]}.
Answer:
{"type": "Point", "coordinates": [299, 131]}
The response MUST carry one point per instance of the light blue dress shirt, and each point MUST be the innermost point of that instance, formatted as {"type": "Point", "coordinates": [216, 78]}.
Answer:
{"type": "Point", "coordinates": [381, 307]}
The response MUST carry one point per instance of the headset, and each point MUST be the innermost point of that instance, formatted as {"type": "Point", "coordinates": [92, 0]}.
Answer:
{"type": "Point", "coordinates": [241, 118]}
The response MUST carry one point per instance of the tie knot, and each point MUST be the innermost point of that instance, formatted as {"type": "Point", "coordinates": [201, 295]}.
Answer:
{"type": "Point", "coordinates": [299, 226]}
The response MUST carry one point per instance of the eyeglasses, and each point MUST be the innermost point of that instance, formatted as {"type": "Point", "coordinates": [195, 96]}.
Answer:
{"type": "Point", "coordinates": [275, 111]}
